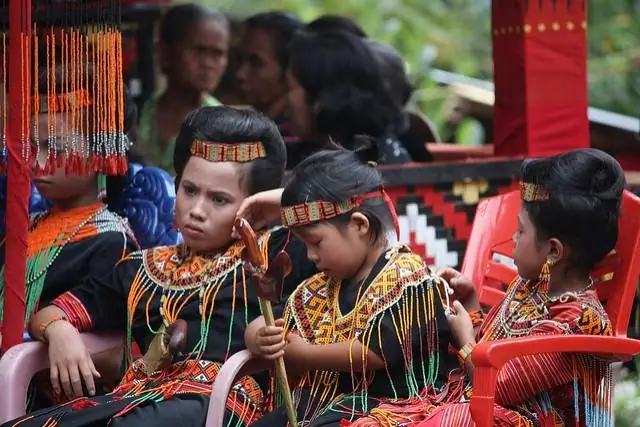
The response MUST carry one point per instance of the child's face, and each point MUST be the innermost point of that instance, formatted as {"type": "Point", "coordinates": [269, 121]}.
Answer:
{"type": "Point", "coordinates": [207, 200]}
{"type": "Point", "coordinates": [337, 251]}
{"type": "Point", "coordinates": [200, 60]}
{"type": "Point", "coordinates": [528, 254]}
{"type": "Point", "coordinates": [59, 186]}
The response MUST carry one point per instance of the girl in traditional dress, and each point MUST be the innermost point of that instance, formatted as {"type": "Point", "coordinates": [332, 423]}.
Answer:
{"type": "Point", "coordinates": [371, 324]}
{"type": "Point", "coordinates": [567, 224]}
{"type": "Point", "coordinates": [78, 239]}
{"type": "Point", "coordinates": [222, 156]}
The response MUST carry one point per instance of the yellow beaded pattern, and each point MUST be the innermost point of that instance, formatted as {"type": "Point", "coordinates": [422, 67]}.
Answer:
{"type": "Point", "coordinates": [228, 152]}
{"type": "Point", "coordinates": [530, 192]}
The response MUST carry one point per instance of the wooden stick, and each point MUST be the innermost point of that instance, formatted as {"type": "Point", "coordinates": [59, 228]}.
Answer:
{"type": "Point", "coordinates": [281, 372]}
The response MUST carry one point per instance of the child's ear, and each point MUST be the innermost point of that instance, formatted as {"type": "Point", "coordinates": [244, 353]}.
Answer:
{"type": "Point", "coordinates": [557, 251]}
{"type": "Point", "coordinates": [360, 223]}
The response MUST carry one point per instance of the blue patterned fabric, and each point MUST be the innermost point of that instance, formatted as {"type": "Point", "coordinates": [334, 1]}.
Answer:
{"type": "Point", "coordinates": [147, 201]}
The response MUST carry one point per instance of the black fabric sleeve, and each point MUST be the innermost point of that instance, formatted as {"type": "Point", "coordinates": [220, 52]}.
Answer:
{"type": "Point", "coordinates": [100, 302]}
{"type": "Point", "coordinates": [279, 240]}
{"type": "Point", "coordinates": [411, 329]}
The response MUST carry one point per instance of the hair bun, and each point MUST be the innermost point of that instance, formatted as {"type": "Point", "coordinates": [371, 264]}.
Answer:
{"type": "Point", "coordinates": [366, 149]}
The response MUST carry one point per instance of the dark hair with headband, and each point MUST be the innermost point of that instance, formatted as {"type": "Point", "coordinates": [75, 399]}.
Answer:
{"type": "Point", "coordinates": [337, 176]}
{"type": "Point", "coordinates": [576, 198]}
{"type": "Point", "coordinates": [226, 126]}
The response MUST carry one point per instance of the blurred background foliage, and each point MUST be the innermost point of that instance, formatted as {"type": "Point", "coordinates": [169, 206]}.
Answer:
{"type": "Point", "coordinates": [454, 35]}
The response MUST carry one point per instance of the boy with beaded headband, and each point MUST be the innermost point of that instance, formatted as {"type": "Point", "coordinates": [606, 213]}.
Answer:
{"type": "Point", "coordinates": [568, 223]}
{"type": "Point", "coordinates": [369, 327]}
{"type": "Point", "coordinates": [197, 288]}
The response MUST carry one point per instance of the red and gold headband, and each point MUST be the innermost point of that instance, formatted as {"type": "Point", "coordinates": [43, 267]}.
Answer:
{"type": "Point", "coordinates": [530, 192]}
{"type": "Point", "coordinates": [322, 210]}
{"type": "Point", "coordinates": [62, 102]}
{"type": "Point", "coordinates": [223, 152]}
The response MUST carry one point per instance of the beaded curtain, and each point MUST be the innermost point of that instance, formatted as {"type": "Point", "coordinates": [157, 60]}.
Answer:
{"type": "Point", "coordinates": [71, 35]}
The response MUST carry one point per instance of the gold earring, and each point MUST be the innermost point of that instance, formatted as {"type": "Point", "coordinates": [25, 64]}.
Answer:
{"type": "Point", "coordinates": [545, 273]}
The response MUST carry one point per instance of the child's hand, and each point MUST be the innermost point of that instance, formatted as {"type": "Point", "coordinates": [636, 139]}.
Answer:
{"type": "Point", "coordinates": [460, 324]}
{"type": "Point", "coordinates": [463, 289]}
{"type": "Point", "coordinates": [270, 341]}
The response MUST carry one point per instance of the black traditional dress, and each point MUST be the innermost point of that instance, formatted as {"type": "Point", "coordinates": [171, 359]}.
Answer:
{"type": "Point", "coordinates": [397, 313]}
{"type": "Point", "coordinates": [68, 249]}
{"type": "Point", "coordinates": [216, 299]}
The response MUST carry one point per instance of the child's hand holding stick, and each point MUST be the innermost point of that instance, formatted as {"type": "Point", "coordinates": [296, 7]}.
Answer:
{"type": "Point", "coordinates": [269, 288]}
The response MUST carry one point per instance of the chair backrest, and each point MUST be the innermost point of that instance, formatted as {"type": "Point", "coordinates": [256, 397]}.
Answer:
{"type": "Point", "coordinates": [147, 200]}
{"type": "Point", "coordinates": [489, 265]}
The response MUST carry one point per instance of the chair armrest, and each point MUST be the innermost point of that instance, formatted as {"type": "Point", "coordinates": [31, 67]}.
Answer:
{"type": "Point", "coordinates": [497, 353]}
{"type": "Point", "coordinates": [21, 362]}
{"type": "Point", "coordinates": [222, 386]}
{"type": "Point", "coordinates": [489, 357]}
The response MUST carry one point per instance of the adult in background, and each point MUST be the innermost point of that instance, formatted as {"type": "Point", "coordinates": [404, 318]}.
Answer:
{"type": "Point", "coordinates": [262, 62]}
{"type": "Point", "coordinates": [194, 41]}
{"type": "Point", "coordinates": [336, 92]}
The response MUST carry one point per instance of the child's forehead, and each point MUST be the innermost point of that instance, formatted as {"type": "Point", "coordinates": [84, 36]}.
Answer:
{"type": "Point", "coordinates": [220, 175]}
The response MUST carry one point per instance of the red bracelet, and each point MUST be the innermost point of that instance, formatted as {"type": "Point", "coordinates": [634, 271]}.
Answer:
{"type": "Point", "coordinates": [45, 325]}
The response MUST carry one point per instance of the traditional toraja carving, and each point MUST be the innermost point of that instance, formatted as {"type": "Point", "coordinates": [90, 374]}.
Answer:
{"type": "Point", "coordinates": [228, 152]}
{"type": "Point", "coordinates": [80, 59]}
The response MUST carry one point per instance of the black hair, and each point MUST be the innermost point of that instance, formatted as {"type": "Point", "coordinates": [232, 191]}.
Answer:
{"type": "Point", "coordinates": [331, 22]}
{"type": "Point", "coordinates": [337, 174]}
{"type": "Point", "coordinates": [585, 194]}
{"type": "Point", "coordinates": [393, 71]}
{"type": "Point", "coordinates": [231, 125]}
{"type": "Point", "coordinates": [178, 20]}
{"type": "Point", "coordinates": [115, 183]}
{"type": "Point", "coordinates": [341, 79]}
{"type": "Point", "coordinates": [281, 25]}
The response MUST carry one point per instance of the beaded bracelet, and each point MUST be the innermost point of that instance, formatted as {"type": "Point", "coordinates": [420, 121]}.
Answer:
{"type": "Point", "coordinates": [464, 353]}
{"type": "Point", "coordinates": [45, 325]}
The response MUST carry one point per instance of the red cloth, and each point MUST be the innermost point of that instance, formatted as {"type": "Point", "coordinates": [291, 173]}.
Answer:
{"type": "Point", "coordinates": [540, 66]}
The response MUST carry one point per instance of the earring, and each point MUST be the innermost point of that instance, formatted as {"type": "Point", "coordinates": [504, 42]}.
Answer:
{"type": "Point", "coordinates": [545, 273]}
{"type": "Point", "coordinates": [102, 186]}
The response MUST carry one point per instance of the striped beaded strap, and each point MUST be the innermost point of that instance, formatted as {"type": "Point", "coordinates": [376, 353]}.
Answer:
{"type": "Point", "coordinates": [242, 152]}
{"type": "Point", "coordinates": [465, 352]}
{"type": "Point", "coordinates": [322, 210]}
{"type": "Point", "coordinates": [530, 192]}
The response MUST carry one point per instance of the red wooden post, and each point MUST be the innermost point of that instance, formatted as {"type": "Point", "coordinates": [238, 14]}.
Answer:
{"type": "Point", "coordinates": [18, 179]}
{"type": "Point", "coordinates": [540, 67]}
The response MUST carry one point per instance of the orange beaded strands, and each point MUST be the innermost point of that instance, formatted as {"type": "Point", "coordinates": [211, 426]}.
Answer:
{"type": "Point", "coordinates": [84, 95]}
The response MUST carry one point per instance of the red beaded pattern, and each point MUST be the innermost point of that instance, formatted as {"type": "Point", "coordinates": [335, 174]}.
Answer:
{"type": "Point", "coordinates": [533, 192]}
{"type": "Point", "coordinates": [222, 152]}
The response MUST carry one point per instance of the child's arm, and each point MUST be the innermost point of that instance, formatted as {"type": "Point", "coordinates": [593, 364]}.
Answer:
{"type": "Point", "coordinates": [300, 356]}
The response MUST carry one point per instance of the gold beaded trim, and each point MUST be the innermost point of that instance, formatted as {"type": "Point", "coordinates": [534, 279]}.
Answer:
{"type": "Point", "coordinates": [222, 152]}
{"type": "Point", "coordinates": [533, 192]}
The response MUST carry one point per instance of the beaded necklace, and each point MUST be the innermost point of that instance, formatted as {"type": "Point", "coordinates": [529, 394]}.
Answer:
{"type": "Point", "coordinates": [50, 233]}
{"type": "Point", "coordinates": [503, 325]}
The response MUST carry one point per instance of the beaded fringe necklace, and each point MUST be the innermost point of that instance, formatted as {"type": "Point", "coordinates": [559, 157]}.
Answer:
{"type": "Point", "coordinates": [50, 233]}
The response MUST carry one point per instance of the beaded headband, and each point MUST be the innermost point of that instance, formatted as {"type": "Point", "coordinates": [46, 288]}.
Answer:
{"type": "Point", "coordinates": [222, 152]}
{"type": "Point", "coordinates": [530, 192]}
{"type": "Point", "coordinates": [322, 210]}
{"type": "Point", "coordinates": [63, 102]}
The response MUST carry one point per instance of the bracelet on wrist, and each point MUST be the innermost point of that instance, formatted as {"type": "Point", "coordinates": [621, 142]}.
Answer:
{"type": "Point", "coordinates": [465, 353]}
{"type": "Point", "coordinates": [45, 325]}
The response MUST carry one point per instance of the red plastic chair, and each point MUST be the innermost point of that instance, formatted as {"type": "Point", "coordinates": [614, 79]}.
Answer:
{"type": "Point", "coordinates": [491, 239]}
